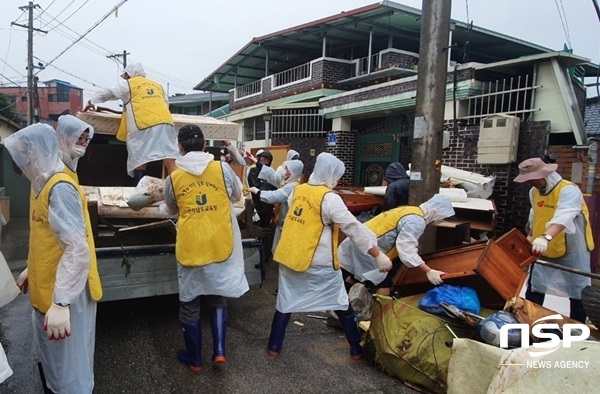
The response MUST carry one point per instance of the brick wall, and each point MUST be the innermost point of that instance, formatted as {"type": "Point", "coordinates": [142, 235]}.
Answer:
{"type": "Point", "coordinates": [303, 146]}
{"type": "Point", "coordinates": [401, 60]}
{"type": "Point", "coordinates": [511, 198]}
{"type": "Point", "coordinates": [566, 156]}
{"type": "Point", "coordinates": [344, 150]}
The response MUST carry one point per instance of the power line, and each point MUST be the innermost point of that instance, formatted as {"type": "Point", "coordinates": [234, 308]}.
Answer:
{"type": "Point", "coordinates": [563, 21]}
{"type": "Point", "coordinates": [67, 18]}
{"type": "Point", "coordinates": [88, 31]}
{"type": "Point", "coordinates": [69, 73]}
{"type": "Point", "coordinates": [60, 13]}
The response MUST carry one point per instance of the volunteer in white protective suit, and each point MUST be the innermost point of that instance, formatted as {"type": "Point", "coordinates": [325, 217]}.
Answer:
{"type": "Point", "coordinates": [559, 228]}
{"type": "Point", "coordinates": [309, 276]}
{"type": "Point", "coordinates": [62, 275]}
{"type": "Point", "coordinates": [293, 172]}
{"type": "Point", "coordinates": [398, 231]}
{"type": "Point", "coordinates": [73, 136]}
{"type": "Point", "coordinates": [146, 124]}
{"type": "Point", "coordinates": [209, 243]}
{"type": "Point", "coordinates": [291, 155]}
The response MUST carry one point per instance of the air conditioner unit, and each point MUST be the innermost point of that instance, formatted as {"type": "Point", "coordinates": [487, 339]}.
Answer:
{"type": "Point", "coordinates": [498, 139]}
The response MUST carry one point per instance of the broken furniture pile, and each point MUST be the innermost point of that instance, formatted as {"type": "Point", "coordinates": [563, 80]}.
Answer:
{"type": "Point", "coordinates": [416, 346]}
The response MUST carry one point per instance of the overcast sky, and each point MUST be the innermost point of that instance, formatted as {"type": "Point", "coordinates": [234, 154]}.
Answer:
{"type": "Point", "coordinates": [180, 42]}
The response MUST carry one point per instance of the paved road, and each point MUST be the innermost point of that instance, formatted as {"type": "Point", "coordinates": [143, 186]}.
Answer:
{"type": "Point", "coordinates": [137, 342]}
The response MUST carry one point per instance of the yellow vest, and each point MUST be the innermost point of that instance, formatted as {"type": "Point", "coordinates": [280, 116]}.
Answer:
{"type": "Point", "coordinates": [72, 174]}
{"type": "Point", "coordinates": [148, 104]}
{"type": "Point", "coordinates": [388, 221]}
{"type": "Point", "coordinates": [544, 208]}
{"type": "Point", "coordinates": [205, 230]}
{"type": "Point", "coordinates": [302, 229]}
{"type": "Point", "coordinates": [277, 210]}
{"type": "Point", "coordinates": [45, 251]}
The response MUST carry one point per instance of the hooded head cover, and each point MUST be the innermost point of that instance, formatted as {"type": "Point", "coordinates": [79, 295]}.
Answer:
{"type": "Point", "coordinates": [437, 208]}
{"type": "Point", "coordinates": [535, 168]}
{"type": "Point", "coordinates": [68, 131]}
{"type": "Point", "coordinates": [266, 154]}
{"type": "Point", "coordinates": [134, 70]}
{"type": "Point", "coordinates": [35, 150]}
{"type": "Point", "coordinates": [394, 172]}
{"type": "Point", "coordinates": [292, 155]}
{"type": "Point", "coordinates": [328, 170]}
{"type": "Point", "coordinates": [295, 167]}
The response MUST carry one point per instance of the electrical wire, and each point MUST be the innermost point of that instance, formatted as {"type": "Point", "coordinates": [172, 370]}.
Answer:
{"type": "Point", "coordinates": [67, 18]}
{"type": "Point", "coordinates": [563, 22]}
{"type": "Point", "coordinates": [59, 14]}
{"type": "Point", "coordinates": [86, 33]}
{"type": "Point", "coordinates": [69, 73]}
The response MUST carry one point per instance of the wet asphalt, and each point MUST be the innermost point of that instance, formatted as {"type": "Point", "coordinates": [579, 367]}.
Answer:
{"type": "Point", "coordinates": [137, 342]}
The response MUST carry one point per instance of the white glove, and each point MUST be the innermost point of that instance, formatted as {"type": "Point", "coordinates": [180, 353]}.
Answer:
{"type": "Point", "coordinates": [383, 262]}
{"type": "Point", "coordinates": [22, 282]}
{"type": "Point", "coordinates": [435, 277]}
{"type": "Point", "coordinates": [253, 190]}
{"type": "Point", "coordinates": [540, 244]}
{"type": "Point", "coordinates": [58, 322]}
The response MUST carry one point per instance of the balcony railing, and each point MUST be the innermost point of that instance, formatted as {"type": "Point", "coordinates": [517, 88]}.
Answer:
{"type": "Point", "coordinates": [292, 75]}
{"type": "Point", "coordinates": [251, 89]}
{"type": "Point", "coordinates": [362, 64]}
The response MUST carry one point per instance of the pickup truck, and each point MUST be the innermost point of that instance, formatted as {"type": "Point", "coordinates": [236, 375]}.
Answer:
{"type": "Point", "coordinates": [136, 250]}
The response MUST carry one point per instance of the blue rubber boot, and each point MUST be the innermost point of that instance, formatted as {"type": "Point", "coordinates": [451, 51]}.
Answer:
{"type": "Point", "coordinates": [218, 326]}
{"type": "Point", "coordinates": [192, 334]}
{"type": "Point", "coordinates": [350, 327]}
{"type": "Point", "coordinates": [280, 322]}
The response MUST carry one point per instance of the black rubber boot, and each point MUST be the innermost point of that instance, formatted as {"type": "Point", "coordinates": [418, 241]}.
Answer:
{"type": "Point", "coordinates": [280, 322]}
{"type": "Point", "coordinates": [350, 327]}
{"type": "Point", "coordinates": [137, 176]}
{"type": "Point", "coordinates": [192, 334]}
{"type": "Point", "coordinates": [218, 326]}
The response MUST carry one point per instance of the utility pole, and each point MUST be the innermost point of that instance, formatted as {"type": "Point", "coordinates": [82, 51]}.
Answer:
{"type": "Point", "coordinates": [30, 84]}
{"type": "Point", "coordinates": [431, 97]}
{"type": "Point", "coordinates": [123, 55]}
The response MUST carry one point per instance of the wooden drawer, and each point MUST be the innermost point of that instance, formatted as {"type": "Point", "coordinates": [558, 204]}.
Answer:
{"type": "Point", "coordinates": [495, 269]}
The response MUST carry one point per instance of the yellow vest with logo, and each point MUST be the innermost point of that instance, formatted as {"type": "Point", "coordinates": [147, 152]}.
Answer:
{"type": "Point", "coordinates": [279, 213]}
{"type": "Point", "coordinates": [148, 105]}
{"type": "Point", "coordinates": [205, 230]}
{"type": "Point", "coordinates": [303, 228]}
{"type": "Point", "coordinates": [45, 251]}
{"type": "Point", "coordinates": [544, 208]}
{"type": "Point", "coordinates": [388, 221]}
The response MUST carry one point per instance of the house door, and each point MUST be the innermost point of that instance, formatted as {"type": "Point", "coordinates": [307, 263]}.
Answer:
{"type": "Point", "coordinates": [374, 152]}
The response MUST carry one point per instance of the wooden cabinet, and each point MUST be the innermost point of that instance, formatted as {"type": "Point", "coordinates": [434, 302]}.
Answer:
{"type": "Point", "coordinates": [495, 269]}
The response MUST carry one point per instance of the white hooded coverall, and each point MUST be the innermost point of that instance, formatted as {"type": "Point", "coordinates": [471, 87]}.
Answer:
{"type": "Point", "coordinates": [227, 278]}
{"type": "Point", "coordinates": [69, 363]}
{"type": "Point", "coordinates": [321, 287]}
{"type": "Point", "coordinates": [143, 146]}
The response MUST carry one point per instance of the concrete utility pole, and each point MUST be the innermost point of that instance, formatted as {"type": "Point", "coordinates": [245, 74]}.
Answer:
{"type": "Point", "coordinates": [30, 84]}
{"type": "Point", "coordinates": [123, 55]}
{"type": "Point", "coordinates": [431, 97]}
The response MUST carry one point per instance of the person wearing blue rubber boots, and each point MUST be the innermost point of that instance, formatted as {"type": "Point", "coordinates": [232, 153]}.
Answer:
{"type": "Point", "coordinates": [209, 247]}
{"type": "Point", "coordinates": [309, 276]}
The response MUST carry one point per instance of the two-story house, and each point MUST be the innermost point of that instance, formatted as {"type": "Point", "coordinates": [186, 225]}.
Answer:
{"type": "Point", "coordinates": [53, 99]}
{"type": "Point", "coordinates": [346, 84]}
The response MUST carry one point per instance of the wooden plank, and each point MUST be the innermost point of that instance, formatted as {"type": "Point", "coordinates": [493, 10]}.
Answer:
{"type": "Point", "coordinates": [213, 129]}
